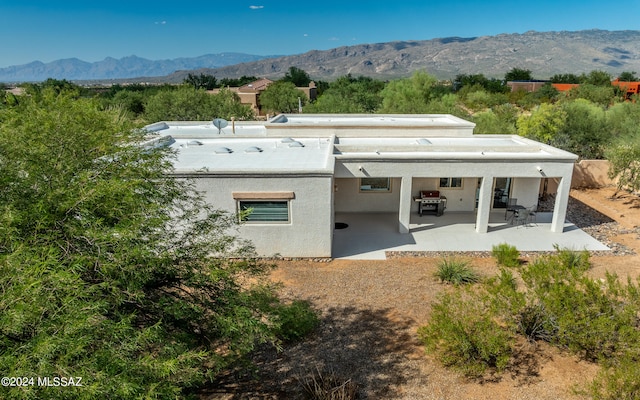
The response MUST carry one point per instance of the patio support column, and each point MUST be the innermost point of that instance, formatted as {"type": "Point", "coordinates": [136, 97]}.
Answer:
{"type": "Point", "coordinates": [560, 206]}
{"type": "Point", "coordinates": [404, 212]}
{"type": "Point", "coordinates": [484, 204]}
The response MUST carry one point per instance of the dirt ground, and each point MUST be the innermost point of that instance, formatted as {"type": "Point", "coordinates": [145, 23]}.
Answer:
{"type": "Point", "coordinates": [370, 311]}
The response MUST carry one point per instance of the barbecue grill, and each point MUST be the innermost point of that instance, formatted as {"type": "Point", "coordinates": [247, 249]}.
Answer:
{"type": "Point", "coordinates": [431, 201]}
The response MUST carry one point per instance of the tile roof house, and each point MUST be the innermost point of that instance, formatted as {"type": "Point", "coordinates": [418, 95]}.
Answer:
{"type": "Point", "coordinates": [250, 93]}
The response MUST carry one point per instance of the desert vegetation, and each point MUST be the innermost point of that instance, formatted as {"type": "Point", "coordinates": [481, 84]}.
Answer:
{"type": "Point", "coordinates": [550, 299]}
{"type": "Point", "coordinates": [113, 272]}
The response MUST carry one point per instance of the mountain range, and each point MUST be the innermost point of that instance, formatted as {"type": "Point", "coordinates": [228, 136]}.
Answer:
{"type": "Point", "coordinates": [123, 68]}
{"type": "Point", "coordinates": [543, 53]}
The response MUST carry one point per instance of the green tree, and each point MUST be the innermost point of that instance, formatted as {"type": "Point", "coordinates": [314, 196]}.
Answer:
{"type": "Point", "coordinates": [202, 81]}
{"type": "Point", "coordinates": [624, 164]}
{"type": "Point", "coordinates": [297, 76]}
{"type": "Point", "coordinates": [57, 85]}
{"type": "Point", "coordinates": [628, 77]}
{"type": "Point", "coordinates": [585, 130]}
{"type": "Point", "coordinates": [543, 124]}
{"type": "Point", "coordinates": [282, 97]}
{"type": "Point", "coordinates": [237, 82]}
{"type": "Point", "coordinates": [565, 78]}
{"type": "Point", "coordinates": [602, 95]}
{"type": "Point", "coordinates": [491, 85]}
{"type": "Point", "coordinates": [492, 122]}
{"type": "Point", "coordinates": [132, 101]}
{"type": "Point", "coordinates": [477, 98]}
{"type": "Point", "coordinates": [349, 95]}
{"type": "Point", "coordinates": [518, 74]}
{"type": "Point", "coordinates": [226, 104]}
{"type": "Point", "coordinates": [110, 269]}
{"type": "Point", "coordinates": [186, 104]}
{"type": "Point", "coordinates": [597, 78]}
{"type": "Point", "coordinates": [622, 119]}
{"type": "Point", "coordinates": [546, 94]}
{"type": "Point", "coordinates": [418, 94]}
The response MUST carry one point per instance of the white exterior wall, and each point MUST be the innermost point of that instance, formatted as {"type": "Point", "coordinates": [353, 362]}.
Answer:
{"type": "Point", "coordinates": [526, 190]}
{"type": "Point", "coordinates": [309, 233]}
{"type": "Point", "coordinates": [458, 199]}
{"type": "Point", "coordinates": [349, 198]}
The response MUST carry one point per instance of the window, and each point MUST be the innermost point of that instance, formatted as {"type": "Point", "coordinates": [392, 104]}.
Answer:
{"type": "Point", "coordinates": [264, 210]}
{"type": "Point", "coordinates": [375, 185]}
{"type": "Point", "coordinates": [264, 207]}
{"type": "Point", "coordinates": [450, 183]}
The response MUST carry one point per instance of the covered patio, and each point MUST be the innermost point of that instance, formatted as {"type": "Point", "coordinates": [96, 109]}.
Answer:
{"type": "Point", "coordinates": [369, 235]}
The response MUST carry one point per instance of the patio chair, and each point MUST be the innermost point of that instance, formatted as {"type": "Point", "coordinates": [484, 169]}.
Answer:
{"type": "Point", "coordinates": [532, 214]}
{"type": "Point", "coordinates": [521, 218]}
{"type": "Point", "coordinates": [511, 202]}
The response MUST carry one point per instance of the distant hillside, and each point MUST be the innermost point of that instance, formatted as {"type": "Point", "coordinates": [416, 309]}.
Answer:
{"type": "Point", "coordinates": [544, 53]}
{"type": "Point", "coordinates": [111, 68]}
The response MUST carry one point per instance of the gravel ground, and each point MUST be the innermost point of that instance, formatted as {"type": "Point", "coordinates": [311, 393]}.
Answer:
{"type": "Point", "coordinates": [370, 311]}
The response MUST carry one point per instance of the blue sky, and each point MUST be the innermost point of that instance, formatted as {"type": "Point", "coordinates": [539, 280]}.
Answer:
{"type": "Point", "coordinates": [93, 30]}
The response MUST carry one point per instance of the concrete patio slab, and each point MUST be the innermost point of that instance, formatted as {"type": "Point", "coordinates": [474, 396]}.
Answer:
{"type": "Point", "coordinates": [369, 235]}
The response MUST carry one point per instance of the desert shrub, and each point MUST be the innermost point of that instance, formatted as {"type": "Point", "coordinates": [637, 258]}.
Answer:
{"type": "Point", "coordinates": [594, 318]}
{"type": "Point", "coordinates": [463, 333]}
{"type": "Point", "coordinates": [329, 386]}
{"type": "Point", "coordinates": [473, 329]}
{"type": "Point", "coordinates": [573, 259]}
{"type": "Point", "coordinates": [506, 255]}
{"type": "Point", "coordinates": [619, 382]}
{"type": "Point", "coordinates": [536, 323]}
{"type": "Point", "coordinates": [456, 271]}
{"type": "Point", "coordinates": [296, 320]}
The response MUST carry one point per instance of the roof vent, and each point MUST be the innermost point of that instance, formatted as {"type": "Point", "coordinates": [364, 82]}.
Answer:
{"type": "Point", "coordinates": [287, 140]}
{"type": "Point", "coordinates": [223, 150]}
{"type": "Point", "coordinates": [253, 149]}
{"type": "Point", "coordinates": [295, 143]}
{"type": "Point", "coordinates": [423, 141]}
{"type": "Point", "coordinates": [194, 143]}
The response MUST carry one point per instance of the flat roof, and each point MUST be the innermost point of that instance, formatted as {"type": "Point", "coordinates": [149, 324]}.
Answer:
{"type": "Point", "coordinates": [257, 148]}
{"type": "Point", "coordinates": [505, 147]}
{"type": "Point", "coordinates": [225, 155]}
{"type": "Point", "coordinates": [387, 120]}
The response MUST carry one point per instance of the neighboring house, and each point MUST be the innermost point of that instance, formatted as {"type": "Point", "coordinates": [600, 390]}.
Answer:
{"type": "Point", "coordinates": [295, 172]}
{"type": "Point", "coordinates": [564, 87]}
{"type": "Point", "coordinates": [631, 88]}
{"type": "Point", "coordinates": [250, 93]}
{"type": "Point", "coordinates": [527, 86]}
{"type": "Point", "coordinates": [17, 91]}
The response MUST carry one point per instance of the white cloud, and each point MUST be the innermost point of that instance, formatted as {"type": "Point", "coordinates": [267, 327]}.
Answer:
{"type": "Point", "coordinates": [334, 39]}
{"type": "Point", "coordinates": [160, 22]}
{"type": "Point", "coordinates": [306, 35]}
{"type": "Point", "coordinates": [256, 7]}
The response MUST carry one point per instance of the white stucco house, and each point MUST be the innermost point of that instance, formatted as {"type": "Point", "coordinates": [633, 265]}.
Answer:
{"type": "Point", "coordinates": [295, 172]}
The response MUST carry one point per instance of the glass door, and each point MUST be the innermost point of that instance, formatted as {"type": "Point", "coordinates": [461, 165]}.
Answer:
{"type": "Point", "coordinates": [501, 192]}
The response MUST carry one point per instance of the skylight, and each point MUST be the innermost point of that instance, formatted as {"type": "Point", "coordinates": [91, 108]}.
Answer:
{"type": "Point", "coordinates": [223, 150]}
